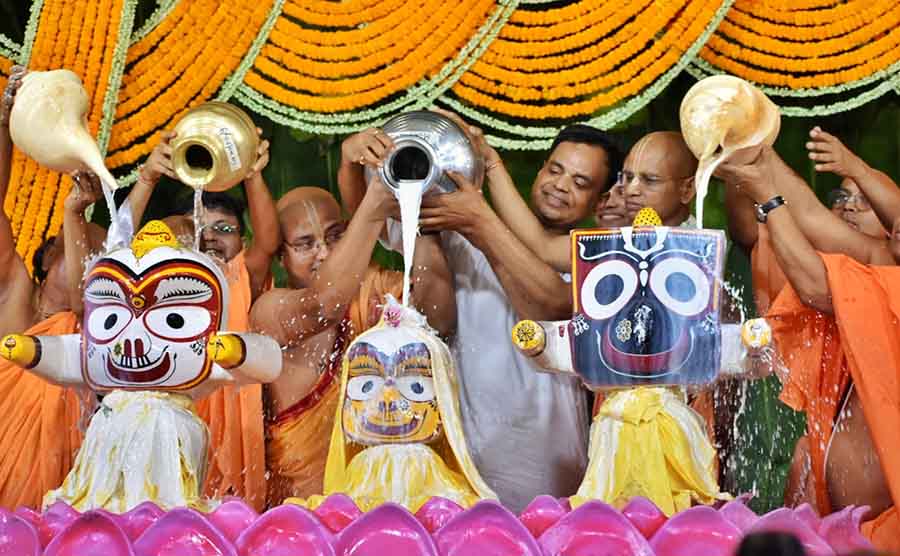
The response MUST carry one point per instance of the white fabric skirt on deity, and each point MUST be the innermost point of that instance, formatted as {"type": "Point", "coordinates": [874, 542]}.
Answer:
{"type": "Point", "coordinates": [139, 446]}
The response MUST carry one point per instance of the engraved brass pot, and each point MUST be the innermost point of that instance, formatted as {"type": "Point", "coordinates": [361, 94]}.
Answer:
{"type": "Point", "coordinates": [215, 146]}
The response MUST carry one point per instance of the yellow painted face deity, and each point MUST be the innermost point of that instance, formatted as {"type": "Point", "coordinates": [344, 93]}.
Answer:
{"type": "Point", "coordinates": [390, 397]}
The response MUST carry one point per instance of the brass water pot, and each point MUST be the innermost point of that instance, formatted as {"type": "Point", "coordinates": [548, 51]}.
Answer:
{"type": "Point", "coordinates": [215, 146]}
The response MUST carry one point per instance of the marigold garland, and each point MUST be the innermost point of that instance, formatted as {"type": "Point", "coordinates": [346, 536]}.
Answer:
{"type": "Point", "coordinates": [770, 45]}
{"type": "Point", "coordinates": [82, 36]}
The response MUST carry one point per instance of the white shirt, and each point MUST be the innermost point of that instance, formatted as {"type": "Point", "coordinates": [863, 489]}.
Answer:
{"type": "Point", "coordinates": [527, 430]}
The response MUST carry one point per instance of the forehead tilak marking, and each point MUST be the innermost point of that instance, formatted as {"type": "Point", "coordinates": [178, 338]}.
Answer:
{"type": "Point", "coordinates": [313, 216]}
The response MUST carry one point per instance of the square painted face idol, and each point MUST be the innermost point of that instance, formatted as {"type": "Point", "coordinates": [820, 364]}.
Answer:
{"type": "Point", "coordinates": [646, 306]}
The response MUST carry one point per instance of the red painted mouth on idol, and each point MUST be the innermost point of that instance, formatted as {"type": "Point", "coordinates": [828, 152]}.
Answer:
{"type": "Point", "coordinates": [392, 430]}
{"type": "Point", "coordinates": [640, 365]}
{"type": "Point", "coordinates": [139, 369]}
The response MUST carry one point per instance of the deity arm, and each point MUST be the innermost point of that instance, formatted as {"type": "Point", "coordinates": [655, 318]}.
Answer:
{"type": "Point", "coordinates": [266, 232]}
{"type": "Point", "coordinates": [248, 358]}
{"type": "Point", "coordinates": [553, 249]}
{"type": "Point", "coordinates": [432, 292]}
{"type": "Point", "coordinates": [535, 289]}
{"type": "Point", "coordinates": [56, 359]}
{"type": "Point", "coordinates": [547, 342]}
{"type": "Point", "coordinates": [825, 231]}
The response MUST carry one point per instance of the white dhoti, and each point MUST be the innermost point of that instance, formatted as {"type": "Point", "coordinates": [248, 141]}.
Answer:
{"type": "Point", "coordinates": [139, 446]}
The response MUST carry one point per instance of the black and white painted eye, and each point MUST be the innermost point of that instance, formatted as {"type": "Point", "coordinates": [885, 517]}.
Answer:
{"type": "Point", "coordinates": [607, 288]}
{"type": "Point", "coordinates": [681, 286]}
{"type": "Point", "coordinates": [108, 321]}
{"type": "Point", "coordinates": [416, 388]}
{"type": "Point", "coordinates": [362, 388]}
{"type": "Point", "coordinates": [178, 322]}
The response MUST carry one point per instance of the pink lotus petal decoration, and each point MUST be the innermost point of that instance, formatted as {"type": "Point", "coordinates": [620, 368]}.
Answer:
{"type": "Point", "coordinates": [543, 512]}
{"type": "Point", "coordinates": [183, 532]}
{"type": "Point", "coordinates": [486, 529]}
{"type": "Point", "coordinates": [285, 531]}
{"type": "Point", "coordinates": [841, 530]}
{"type": "Point", "coordinates": [435, 513]}
{"type": "Point", "coordinates": [338, 511]}
{"type": "Point", "coordinates": [232, 518]}
{"type": "Point", "coordinates": [547, 527]}
{"type": "Point", "coordinates": [697, 530]}
{"type": "Point", "coordinates": [783, 520]}
{"type": "Point", "coordinates": [92, 534]}
{"type": "Point", "coordinates": [18, 536]}
{"type": "Point", "coordinates": [594, 528]}
{"type": "Point", "coordinates": [645, 515]}
{"type": "Point", "coordinates": [388, 529]}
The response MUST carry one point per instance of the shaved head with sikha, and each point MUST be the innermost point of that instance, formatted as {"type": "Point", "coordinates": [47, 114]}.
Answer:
{"type": "Point", "coordinates": [659, 173]}
{"type": "Point", "coordinates": [311, 224]}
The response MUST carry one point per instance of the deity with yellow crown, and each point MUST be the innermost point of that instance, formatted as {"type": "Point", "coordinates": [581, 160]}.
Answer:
{"type": "Point", "coordinates": [645, 327]}
{"type": "Point", "coordinates": [397, 435]}
{"type": "Point", "coordinates": [150, 344]}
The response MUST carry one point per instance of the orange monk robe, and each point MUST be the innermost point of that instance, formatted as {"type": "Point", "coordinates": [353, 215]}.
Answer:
{"type": "Point", "coordinates": [39, 432]}
{"type": "Point", "coordinates": [237, 462]}
{"type": "Point", "coordinates": [299, 436]}
{"type": "Point", "coordinates": [859, 343]}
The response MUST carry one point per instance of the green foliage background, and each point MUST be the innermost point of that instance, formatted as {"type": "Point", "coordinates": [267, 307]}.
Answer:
{"type": "Point", "coordinates": [767, 429]}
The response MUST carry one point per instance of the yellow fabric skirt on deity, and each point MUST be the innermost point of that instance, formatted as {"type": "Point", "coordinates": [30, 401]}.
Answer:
{"type": "Point", "coordinates": [647, 442]}
{"type": "Point", "coordinates": [406, 474]}
{"type": "Point", "coordinates": [139, 446]}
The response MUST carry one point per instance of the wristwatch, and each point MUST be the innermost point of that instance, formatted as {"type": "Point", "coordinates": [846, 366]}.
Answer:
{"type": "Point", "coordinates": [763, 210]}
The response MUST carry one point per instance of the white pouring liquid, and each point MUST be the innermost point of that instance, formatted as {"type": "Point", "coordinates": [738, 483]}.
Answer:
{"type": "Point", "coordinates": [198, 216]}
{"type": "Point", "coordinates": [409, 196]}
{"type": "Point", "coordinates": [705, 169]}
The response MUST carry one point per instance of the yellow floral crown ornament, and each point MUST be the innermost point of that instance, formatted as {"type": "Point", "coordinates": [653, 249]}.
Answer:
{"type": "Point", "coordinates": [154, 234]}
{"type": "Point", "coordinates": [646, 217]}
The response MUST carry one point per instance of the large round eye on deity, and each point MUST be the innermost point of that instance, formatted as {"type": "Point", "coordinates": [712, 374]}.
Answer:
{"type": "Point", "coordinates": [362, 388]}
{"type": "Point", "coordinates": [681, 286]}
{"type": "Point", "coordinates": [416, 388]}
{"type": "Point", "coordinates": [607, 288]}
{"type": "Point", "coordinates": [108, 321]}
{"type": "Point", "coordinates": [178, 322]}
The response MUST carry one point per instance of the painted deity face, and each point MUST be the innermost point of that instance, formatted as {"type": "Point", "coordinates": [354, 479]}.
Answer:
{"type": "Point", "coordinates": [647, 306]}
{"type": "Point", "coordinates": [390, 395]}
{"type": "Point", "coordinates": [148, 318]}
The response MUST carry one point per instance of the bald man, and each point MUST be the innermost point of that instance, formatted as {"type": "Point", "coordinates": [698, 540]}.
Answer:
{"type": "Point", "coordinates": [333, 295]}
{"type": "Point", "coordinates": [659, 173]}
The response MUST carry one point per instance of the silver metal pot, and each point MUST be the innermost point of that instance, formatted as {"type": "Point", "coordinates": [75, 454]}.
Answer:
{"type": "Point", "coordinates": [426, 145]}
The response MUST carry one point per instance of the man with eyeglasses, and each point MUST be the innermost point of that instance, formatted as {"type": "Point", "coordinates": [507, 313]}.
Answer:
{"type": "Point", "coordinates": [837, 323]}
{"type": "Point", "coordinates": [333, 294]}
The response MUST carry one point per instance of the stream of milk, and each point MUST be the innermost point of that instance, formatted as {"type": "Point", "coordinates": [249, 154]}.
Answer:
{"type": "Point", "coordinates": [705, 168]}
{"type": "Point", "coordinates": [409, 195]}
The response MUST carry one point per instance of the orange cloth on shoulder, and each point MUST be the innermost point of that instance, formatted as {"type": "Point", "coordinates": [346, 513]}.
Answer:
{"type": "Point", "coordinates": [859, 342]}
{"type": "Point", "coordinates": [300, 435]}
{"type": "Point", "coordinates": [237, 461]}
{"type": "Point", "coordinates": [39, 433]}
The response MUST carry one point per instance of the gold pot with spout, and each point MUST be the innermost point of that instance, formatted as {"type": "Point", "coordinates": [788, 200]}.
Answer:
{"type": "Point", "coordinates": [215, 146]}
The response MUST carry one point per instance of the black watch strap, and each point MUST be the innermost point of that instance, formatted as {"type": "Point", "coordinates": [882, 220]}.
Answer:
{"type": "Point", "coordinates": [763, 210]}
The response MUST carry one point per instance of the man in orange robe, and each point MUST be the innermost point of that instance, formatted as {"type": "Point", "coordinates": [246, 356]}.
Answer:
{"type": "Point", "coordinates": [334, 295]}
{"type": "Point", "coordinates": [838, 326]}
